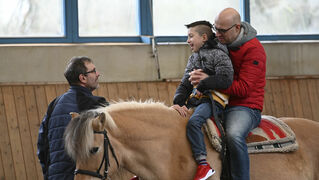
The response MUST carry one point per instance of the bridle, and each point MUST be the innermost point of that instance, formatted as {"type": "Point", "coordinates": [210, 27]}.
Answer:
{"type": "Point", "coordinates": [97, 174]}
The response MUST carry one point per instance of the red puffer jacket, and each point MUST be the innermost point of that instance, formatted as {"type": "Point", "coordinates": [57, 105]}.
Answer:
{"type": "Point", "coordinates": [249, 63]}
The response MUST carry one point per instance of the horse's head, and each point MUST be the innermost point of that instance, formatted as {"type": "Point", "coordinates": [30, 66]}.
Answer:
{"type": "Point", "coordinates": [86, 139]}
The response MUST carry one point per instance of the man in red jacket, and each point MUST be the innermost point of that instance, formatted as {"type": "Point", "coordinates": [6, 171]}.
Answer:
{"type": "Point", "coordinates": [243, 112]}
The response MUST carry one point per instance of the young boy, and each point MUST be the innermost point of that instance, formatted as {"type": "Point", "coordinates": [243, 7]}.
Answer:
{"type": "Point", "coordinates": [211, 57]}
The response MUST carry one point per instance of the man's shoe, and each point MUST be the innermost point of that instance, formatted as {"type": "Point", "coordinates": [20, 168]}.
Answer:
{"type": "Point", "coordinates": [204, 172]}
{"type": "Point", "coordinates": [135, 178]}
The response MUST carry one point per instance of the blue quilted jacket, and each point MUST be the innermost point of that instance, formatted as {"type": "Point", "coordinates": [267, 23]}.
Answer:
{"type": "Point", "coordinates": [61, 165]}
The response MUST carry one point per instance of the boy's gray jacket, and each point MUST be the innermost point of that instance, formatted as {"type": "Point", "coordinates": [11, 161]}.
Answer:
{"type": "Point", "coordinates": [215, 62]}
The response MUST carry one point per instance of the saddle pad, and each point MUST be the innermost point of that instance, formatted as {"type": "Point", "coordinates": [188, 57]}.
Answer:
{"type": "Point", "coordinates": [272, 135]}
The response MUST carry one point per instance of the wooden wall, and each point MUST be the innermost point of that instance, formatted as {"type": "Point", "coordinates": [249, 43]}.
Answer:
{"type": "Point", "coordinates": [23, 106]}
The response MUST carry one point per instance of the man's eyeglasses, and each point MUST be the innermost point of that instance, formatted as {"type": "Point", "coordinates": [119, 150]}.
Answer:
{"type": "Point", "coordinates": [92, 71]}
{"type": "Point", "coordinates": [223, 31]}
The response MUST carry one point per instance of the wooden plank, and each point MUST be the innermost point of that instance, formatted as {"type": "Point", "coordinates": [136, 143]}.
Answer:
{"type": "Point", "coordinates": [163, 93]}
{"type": "Point", "coordinates": [113, 92]}
{"type": "Point", "coordinates": [286, 95]}
{"type": "Point", "coordinates": [317, 88]}
{"type": "Point", "coordinates": [14, 134]}
{"type": "Point", "coordinates": [153, 91]}
{"type": "Point", "coordinates": [295, 98]}
{"type": "Point", "coordinates": [271, 99]}
{"type": "Point", "coordinates": [122, 91]}
{"type": "Point", "coordinates": [50, 92]}
{"type": "Point", "coordinates": [132, 91]}
{"type": "Point", "coordinates": [2, 176]}
{"type": "Point", "coordinates": [24, 130]}
{"type": "Point", "coordinates": [103, 91]}
{"type": "Point", "coordinates": [267, 100]}
{"type": "Point", "coordinates": [5, 145]}
{"type": "Point", "coordinates": [171, 87]}
{"type": "Point", "coordinates": [34, 122]}
{"type": "Point", "coordinates": [314, 97]}
{"type": "Point", "coordinates": [278, 98]}
{"type": "Point", "coordinates": [142, 91]}
{"type": "Point", "coordinates": [60, 89]}
{"type": "Point", "coordinates": [41, 100]}
{"type": "Point", "coordinates": [305, 99]}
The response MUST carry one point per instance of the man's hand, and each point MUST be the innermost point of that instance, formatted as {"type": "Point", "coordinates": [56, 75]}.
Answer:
{"type": "Point", "coordinates": [183, 111]}
{"type": "Point", "coordinates": [196, 76]}
{"type": "Point", "coordinates": [199, 93]}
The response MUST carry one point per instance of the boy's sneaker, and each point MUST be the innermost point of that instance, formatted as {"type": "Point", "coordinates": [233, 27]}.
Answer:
{"type": "Point", "coordinates": [203, 172]}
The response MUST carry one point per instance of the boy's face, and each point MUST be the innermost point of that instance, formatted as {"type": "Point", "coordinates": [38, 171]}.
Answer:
{"type": "Point", "coordinates": [195, 40]}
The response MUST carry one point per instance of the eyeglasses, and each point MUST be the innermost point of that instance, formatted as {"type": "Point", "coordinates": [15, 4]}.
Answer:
{"type": "Point", "coordinates": [222, 31]}
{"type": "Point", "coordinates": [92, 71]}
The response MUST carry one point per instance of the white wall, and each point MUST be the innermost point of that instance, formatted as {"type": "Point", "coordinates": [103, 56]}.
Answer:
{"type": "Point", "coordinates": [37, 63]}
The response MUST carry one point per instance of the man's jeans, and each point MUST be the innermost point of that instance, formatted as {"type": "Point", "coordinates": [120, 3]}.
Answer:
{"type": "Point", "coordinates": [194, 128]}
{"type": "Point", "coordinates": [239, 120]}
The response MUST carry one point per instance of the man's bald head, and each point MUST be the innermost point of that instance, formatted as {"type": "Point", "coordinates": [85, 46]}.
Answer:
{"type": "Point", "coordinates": [227, 25]}
{"type": "Point", "coordinates": [229, 16]}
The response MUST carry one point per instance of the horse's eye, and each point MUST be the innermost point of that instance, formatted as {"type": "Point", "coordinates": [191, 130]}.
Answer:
{"type": "Point", "coordinates": [94, 150]}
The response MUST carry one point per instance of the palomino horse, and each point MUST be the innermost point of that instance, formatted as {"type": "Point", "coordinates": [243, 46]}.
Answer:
{"type": "Point", "coordinates": [149, 140]}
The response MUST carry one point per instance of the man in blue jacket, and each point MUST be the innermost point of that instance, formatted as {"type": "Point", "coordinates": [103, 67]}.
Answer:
{"type": "Point", "coordinates": [83, 79]}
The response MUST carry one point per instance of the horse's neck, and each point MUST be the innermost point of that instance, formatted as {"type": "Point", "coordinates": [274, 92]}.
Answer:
{"type": "Point", "coordinates": [143, 125]}
{"type": "Point", "coordinates": [142, 134]}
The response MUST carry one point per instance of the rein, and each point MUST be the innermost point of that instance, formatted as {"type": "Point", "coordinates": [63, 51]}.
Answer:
{"type": "Point", "coordinates": [97, 174]}
{"type": "Point", "coordinates": [225, 175]}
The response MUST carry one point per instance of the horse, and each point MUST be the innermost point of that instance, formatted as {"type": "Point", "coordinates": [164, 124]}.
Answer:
{"type": "Point", "coordinates": [148, 139]}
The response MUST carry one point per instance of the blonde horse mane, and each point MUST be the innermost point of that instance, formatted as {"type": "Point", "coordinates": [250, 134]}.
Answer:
{"type": "Point", "coordinates": [79, 134]}
{"type": "Point", "coordinates": [117, 106]}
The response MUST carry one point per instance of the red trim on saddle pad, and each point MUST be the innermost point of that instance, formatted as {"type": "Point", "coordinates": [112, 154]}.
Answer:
{"type": "Point", "coordinates": [269, 127]}
{"type": "Point", "coordinates": [272, 135]}
{"type": "Point", "coordinates": [216, 128]}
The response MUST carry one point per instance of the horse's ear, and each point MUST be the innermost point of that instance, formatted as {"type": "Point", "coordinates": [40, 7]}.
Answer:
{"type": "Point", "coordinates": [102, 118]}
{"type": "Point", "coordinates": [99, 122]}
{"type": "Point", "coordinates": [74, 114]}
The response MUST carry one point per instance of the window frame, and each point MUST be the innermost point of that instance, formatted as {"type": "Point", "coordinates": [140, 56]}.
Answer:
{"type": "Point", "coordinates": [145, 28]}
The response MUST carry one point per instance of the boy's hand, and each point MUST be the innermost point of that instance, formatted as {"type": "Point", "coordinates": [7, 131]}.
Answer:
{"type": "Point", "coordinates": [183, 111]}
{"type": "Point", "coordinates": [196, 76]}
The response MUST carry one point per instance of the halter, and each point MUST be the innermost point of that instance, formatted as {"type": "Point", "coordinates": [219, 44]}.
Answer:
{"type": "Point", "coordinates": [97, 174]}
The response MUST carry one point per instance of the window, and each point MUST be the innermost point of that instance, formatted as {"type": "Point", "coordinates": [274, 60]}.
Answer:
{"type": "Point", "coordinates": [20, 18]}
{"type": "Point", "coordinates": [33, 21]}
{"type": "Point", "coordinates": [170, 17]}
{"type": "Point", "coordinates": [107, 18]}
{"type": "Point", "coordinates": [285, 17]}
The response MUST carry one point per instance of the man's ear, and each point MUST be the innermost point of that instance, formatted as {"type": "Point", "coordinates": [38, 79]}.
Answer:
{"type": "Point", "coordinates": [82, 78]}
{"type": "Point", "coordinates": [74, 114]}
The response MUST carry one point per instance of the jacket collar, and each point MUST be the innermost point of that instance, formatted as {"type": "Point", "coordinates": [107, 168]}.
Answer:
{"type": "Point", "coordinates": [247, 32]}
{"type": "Point", "coordinates": [81, 89]}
